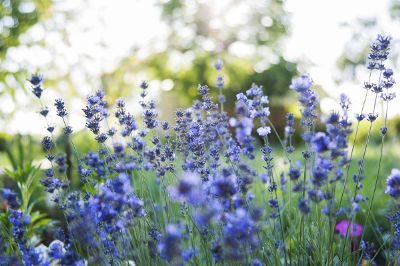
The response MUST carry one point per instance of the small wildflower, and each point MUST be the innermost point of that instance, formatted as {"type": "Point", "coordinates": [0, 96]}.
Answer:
{"type": "Point", "coordinates": [372, 117]}
{"type": "Point", "coordinates": [36, 80]}
{"type": "Point", "coordinates": [68, 130]}
{"type": "Point", "coordinates": [219, 64]}
{"type": "Point", "coordinates": [60, 106]}
{"type": "Point", "coordinates": [354, 231]}
{"type": "Point", "coordinates": [301, 84]}
{"type": "Point", "coordinates": [360, 117]}
{"type": "Point", "coordinates": [263, 131]}
{"type": "Point", "coordinates": [393, 184]}
{"type": "Point", "coordinates": [304, 206]}
{"type": "Point", "coordinates": [320, 142]}
{"type": "Point", "coordinates": [47, 144]}
{"type": "Point", "coordinates": [44, 112]}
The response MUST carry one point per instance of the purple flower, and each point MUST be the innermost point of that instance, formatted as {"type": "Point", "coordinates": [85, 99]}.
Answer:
{"type": "Point", "coordinates": [56, 249]}
{"type": "Point", "coordinates": [388, 73]}
{"type": "Point", "coordinates": [11, 198]}
{"type": "Point", "coordinates": [37, 91]}
{"type": "Point", "coordinates": [52, 183]}
{"type": "Point", "coordinates": [301, 84]}
{"type": "Point", "coordinates": [360, 117]}
{"type": "Point", "coordinates": [304, 206]}
{"type": "Point", "coordinates": [379, 52]}
{"type": "Point", "coordinates": [219, 64]}
{"type": "Point", "coordinates": [60, 106]}
{"type": "Point", "coordinates": [224, 186]}
{"type": "Point", "coordinates": [188, 189]}
{"type": "Point", "coordinates": [393, 184]}
{"type": "Point", "coordinates": [45, 111]}
{"type": "Point", "coordinates": [68, 130]}
{"type": "Point", "coordinates": [320, 142]}
{"type": "Point", "coordinates": [308, 99]}
{"type": "Point", "coordinates": [47, 144]}
{"type": "Point", "coordinates": [36, 79]}
{"type": "Point", "coordinates": [169, 246]}
{"type": "Point", "coordinates": [295, 171]}
{"type": "Point", "coordinates": [354, 231]}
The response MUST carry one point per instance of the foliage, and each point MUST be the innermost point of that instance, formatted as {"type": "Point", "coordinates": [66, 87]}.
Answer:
{"type": "Point", "coordinates": [24, 178]}
{"type": "Point", "coordinates": [16, 18]}
{"type": "Point", "coordinates": [184, 59]}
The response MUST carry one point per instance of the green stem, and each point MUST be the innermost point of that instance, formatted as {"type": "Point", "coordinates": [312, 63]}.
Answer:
{"type": "Point", "coordinates": [360, 170]}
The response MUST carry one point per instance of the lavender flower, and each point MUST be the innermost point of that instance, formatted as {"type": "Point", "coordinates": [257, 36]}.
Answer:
{"type": "Point", "coordinates": [379, 52]}
{"type": "Point", "coordinates": [60, 106]}
{"type": "Point", "coordinates": [302, 84]}
{"type": "Point", "coordinates": [44, 112]}
{"type": "Point", "coordinates": [188, 189]}
{"type": "Point", "coordinates": [36, 80]}
{"type": "Point", "coordinates": [395, 220]}
{"type": "Point", "coordinates": [195, 178]}
{"type": "Point", "coordinates": [169, 246]}
{"type": "Point", "coordinates": [47, 144]}
{"type": "Point", "coordinates": [19, 221]}
{"type": "Point", "coordinates": [304, 206]}
{"type": "Point", "coordinates": [11, 198]}
{"type": "Point", "coordinates": [307, 99]}
{"type": "Point", "coordinates": [393, 184]}
{"type": "Point", "coordinates": [320, 142]}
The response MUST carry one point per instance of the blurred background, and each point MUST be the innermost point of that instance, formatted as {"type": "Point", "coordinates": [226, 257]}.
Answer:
{"type": "Point", "coordinates": [83, 45]}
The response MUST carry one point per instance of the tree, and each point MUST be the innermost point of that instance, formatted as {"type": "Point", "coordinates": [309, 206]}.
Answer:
{"type": "Point", "coordinates": [247, 35]}
{"type": "Point", "coordinates": [16, 17]}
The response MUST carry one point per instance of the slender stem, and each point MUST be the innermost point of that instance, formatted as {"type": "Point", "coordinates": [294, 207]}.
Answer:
{"type": "Point", "coordinates": [278, 206]}
{"type": "Point", "coordinates": [353, 145]}
{"type": "Point", "coordinates": [302, 236]}
{"type": "Point", "coordinates": [378, 171]}
{"type": "Point", "coordinates": [352, 150]}
{"type": "Point", "coordinates": [280, 140]}
{"type": "Point", "coordinates": [360, 169]}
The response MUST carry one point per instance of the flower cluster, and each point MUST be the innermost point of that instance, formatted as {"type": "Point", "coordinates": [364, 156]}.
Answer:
{"type": "Point", "coordinates": [205, 189]}
{"type": "Point", "coordinates": [393, 184]}
{"type": "Point", "coordinates": [36, 82]}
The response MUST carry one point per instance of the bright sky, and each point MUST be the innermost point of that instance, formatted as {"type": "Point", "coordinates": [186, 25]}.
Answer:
{"type": "Point", "coordinates": [317, 38]}
{"type": "Point", "coordinates": [320, 38]}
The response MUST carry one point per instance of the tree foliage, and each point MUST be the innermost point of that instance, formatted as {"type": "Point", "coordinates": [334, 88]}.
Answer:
{"type": "Point", "coordinates": [247, 35]}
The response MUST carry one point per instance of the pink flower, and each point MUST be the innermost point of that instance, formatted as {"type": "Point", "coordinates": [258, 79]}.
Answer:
{"type": "Point", "coordinates": [355, 229]}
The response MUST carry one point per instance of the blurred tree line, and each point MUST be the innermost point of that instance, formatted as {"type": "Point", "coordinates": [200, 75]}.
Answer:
{"type": "Point", "coordinates": [353, 60]}
{"type": "Point", "coordinates": [364, 30]}
{"type": "Point", "coordinates": [247, 35]}
{"type": "Point", "coordinates": [16, 18]}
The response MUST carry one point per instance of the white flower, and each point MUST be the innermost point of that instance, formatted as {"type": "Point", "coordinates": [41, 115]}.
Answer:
{"type": "Point", "coordinates": [263, 131]}
{"type": "Point", "coordinates": [266, 111]}
{"type": "Point", "coordinates": [253, 113]}
{"type": "Point", "coordinates": [232, 122]}
{"type": "Point", "coordinates": [264, 100]}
